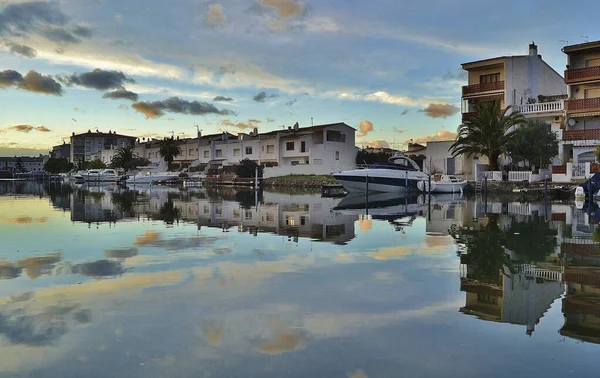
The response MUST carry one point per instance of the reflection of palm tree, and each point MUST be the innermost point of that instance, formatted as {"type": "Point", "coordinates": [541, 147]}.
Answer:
{"type": "Point", "coordinates": [125, 202]}
{"type": "Point", "coordinates": [169, 213]}
{"type": "Point", "coordinates": [532, 240]}
{"type": "Point", "coordinates": [485, 255]}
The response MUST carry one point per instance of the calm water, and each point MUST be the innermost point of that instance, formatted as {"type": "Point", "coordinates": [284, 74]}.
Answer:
{"type": "Point", "coordinates": [161, 282]}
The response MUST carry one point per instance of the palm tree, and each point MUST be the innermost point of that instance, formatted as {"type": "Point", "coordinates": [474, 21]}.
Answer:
{"type": "Point", "coordinates": [125, 159]}
{"type": "Point", "coordinates": [488, 133]}
{"type": "Point", "coordinates": [169, 150]}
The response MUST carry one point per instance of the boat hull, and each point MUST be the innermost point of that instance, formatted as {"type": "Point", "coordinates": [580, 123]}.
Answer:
{"type": "Point", "coordinates": [379, 180]}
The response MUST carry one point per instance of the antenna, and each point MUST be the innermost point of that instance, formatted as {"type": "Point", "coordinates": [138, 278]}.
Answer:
{"type": "Point", "coordinates": [587, 39]}
{"type": "Point", "coordinates": [565, 41]}
{"type": "Point", "coordinates": [172, 134]}
{"type": "Point", "coordinates": [311, 121]}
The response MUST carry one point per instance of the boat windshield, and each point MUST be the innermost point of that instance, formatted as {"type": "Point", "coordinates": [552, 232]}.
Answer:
{"type": "Point", "coordinates": [396, 166]}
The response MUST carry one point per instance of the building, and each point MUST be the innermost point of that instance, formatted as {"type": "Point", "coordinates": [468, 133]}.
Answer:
{"type": "Point", "coordinates": [88, 146]}
{"type": "Point", "coordinates": [320, 149]}
{"type": "Point", "coordinates": [23, 163]}
{"type": "Point", "coordinates": [582, 129]}
{"type": "Point", "coordinates": [525, 82]}
{"type": "Point", "coordinates": [61, 151]}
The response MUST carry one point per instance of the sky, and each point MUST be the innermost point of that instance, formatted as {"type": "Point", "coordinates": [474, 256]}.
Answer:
{"type": "Point", "coordinates": [148, 68]}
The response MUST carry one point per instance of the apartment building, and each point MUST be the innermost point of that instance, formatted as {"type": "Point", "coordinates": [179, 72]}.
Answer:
{"type": "Point", "coordinates": [23, 163]}
{"type": "Point", "coordinates": [61, 151]}
{"type": "Point", "coordinates": [581, 132]}
{"type": "Point", "coordinates": [319, 149]}
{"type": "Point", "coordinates": [88, 146]}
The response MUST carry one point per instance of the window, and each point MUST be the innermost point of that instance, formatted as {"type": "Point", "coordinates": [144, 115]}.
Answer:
{"type": "Point", "coordinates": [248, 214]}
{"type": "Point", "coordinates": [248, 150]}
{"type": "Point", "coordinates": [303, 219]}
{"type": "Point", "coordinates": [219, 153]}
{"type": "Point", "coordinates": [492, 78]}
{"type": "Point", "coordinates": [206, 154]}
{"type": "Point", "coordinates": [337, 155]}
{"type": "Point", "coordinates": [270, 217]}
{"type": "Point", "coordinates": [318, 161]}
{"type": "Point", "coordinates": [295, 162]}
{"type": "Point", "coordinates": [289, 220]}
{"type": "Point", "coordinates": [289, 146]}
{"type": "Point", "coordinates": [335, 136]}
{"type": "Point", "coordinates": [303, 146]}
{"type": "Point", "coordinates": [236, 152]}
{"type": "Point", "coordinates": [270, 148]}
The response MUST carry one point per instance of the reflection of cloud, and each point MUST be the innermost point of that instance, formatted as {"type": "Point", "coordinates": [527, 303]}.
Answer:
{"type": "Point", "coordinates": [432, 241]}
{"type": "Point", "coordinates": [9, 271]}
{"type": "Point", "coordinates": [19, 328]}
{"type": "Point", "coordinates": [214, 334]}
{"type": "Point", "coordinates": [34, 266]}
{"type": "Point", "coordinates": [364, 223]}
{"type": "Point", "coordinates": [18, 220]}
{"type": "Point", "coordinates": [122, 253]}
{"type": "Point", "coordinates": [148, 238]}
{"type": "Point", "coordinates": [391, 253]}
{"type": "Point", "coordinates": [42, 220]}
{"type": "Point", "coordinates": [285, 341]}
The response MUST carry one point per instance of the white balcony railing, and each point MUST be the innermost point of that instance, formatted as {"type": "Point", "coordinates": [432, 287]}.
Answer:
{"type": "Point", "coordinates": [541, 107]}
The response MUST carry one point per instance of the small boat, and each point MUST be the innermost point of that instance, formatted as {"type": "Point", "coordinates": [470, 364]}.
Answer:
{"type": "Point", "coordinates": [447, 184]}
{"type": "Point", "coordinates": [148, 177]}
{"type": "Point", "coordinates": [399, 175]}
{"type": "Point", "coordinates": [96, 175]}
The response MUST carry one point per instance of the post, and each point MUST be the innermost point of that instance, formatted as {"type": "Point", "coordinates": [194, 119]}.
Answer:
{"type": "Point", "coordinates": [256, 178]}
{"type": "Point", "coordinates": [486, 193]}
{"type": "Point", "coordinates": [546, 187]}
{"type": "Point", "coordinates": [406, 181]}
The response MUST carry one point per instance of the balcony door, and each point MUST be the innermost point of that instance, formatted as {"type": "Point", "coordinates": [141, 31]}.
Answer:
{"type": "Point", "coordinates": [592, 93]}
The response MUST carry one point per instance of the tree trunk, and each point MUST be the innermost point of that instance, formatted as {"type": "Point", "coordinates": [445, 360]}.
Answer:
{"type": "Point", "coordinates": [493, 161]}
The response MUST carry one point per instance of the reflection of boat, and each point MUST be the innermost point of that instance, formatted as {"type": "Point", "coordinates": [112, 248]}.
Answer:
{"type": "Point", "coordinates": [447, 184]}
{"type": "Point", "coordinates": [379, 205]}
{"type": "Point", "coordinates": [103, 175]}
{"type": "Point", "coordinates": [400, 173]}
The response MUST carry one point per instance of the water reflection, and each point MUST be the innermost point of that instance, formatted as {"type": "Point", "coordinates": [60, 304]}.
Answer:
{"type": "Point", "coordinates": [226, 279]}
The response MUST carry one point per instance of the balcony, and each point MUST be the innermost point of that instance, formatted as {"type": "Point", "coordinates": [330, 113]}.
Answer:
{"type": "Point", "coordinates": [473, 89]}
{"type": "Point", "coordinates": [570, 135]}
{"type": "Point", "coordinates": [467, 116]}
{"type": "Point", "coordinates": [541, 107]}
{"type": "Point", "coordinates": [583, 105]}
{"type": "Point", "coordinates": [582, 74]}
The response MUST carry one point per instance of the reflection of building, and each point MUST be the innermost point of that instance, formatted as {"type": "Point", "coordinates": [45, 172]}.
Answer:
{"type": "Point", "coordinates": [581, 305]}
{"type": "Point", "coordinates": [93, 207]}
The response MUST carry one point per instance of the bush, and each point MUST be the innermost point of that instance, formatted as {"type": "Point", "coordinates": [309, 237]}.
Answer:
{"type": "Point", "coordinates": [183, 175]}
{"type": "Point", "coordinates": [247, 168]}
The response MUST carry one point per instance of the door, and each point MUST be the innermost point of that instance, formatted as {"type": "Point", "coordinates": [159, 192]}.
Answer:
{"type": "Point", "coordinates": [450, 166]}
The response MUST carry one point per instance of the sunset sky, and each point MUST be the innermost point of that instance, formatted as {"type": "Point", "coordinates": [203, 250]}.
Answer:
{"type": "Point", "coordinates": [150, 68]}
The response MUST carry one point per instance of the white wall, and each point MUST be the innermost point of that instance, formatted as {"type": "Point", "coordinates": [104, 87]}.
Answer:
{"type": "Point", "coordinates": [437, 153]}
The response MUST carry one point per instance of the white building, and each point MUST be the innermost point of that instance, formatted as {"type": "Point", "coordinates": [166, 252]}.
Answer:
{"type": "Point", "coordinates": [89, 146]}
{"type": "Point", "coordinates": [27, 163]}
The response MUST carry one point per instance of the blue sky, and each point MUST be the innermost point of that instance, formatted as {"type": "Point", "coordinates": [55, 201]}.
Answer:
{"type": "Point", "coordinates": [392, 65]}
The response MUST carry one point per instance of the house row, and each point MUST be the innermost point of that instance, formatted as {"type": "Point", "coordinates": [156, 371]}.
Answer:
{"type": "Point", "coordinates": [569, 103]}
{"type": "Point", "coordinates": [319, 149]}
{"type": "Point", "coordinates": [23, 163]}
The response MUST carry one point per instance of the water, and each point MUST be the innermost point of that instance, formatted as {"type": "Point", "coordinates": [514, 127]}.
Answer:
{"type": "Point", "coordinates": [159, 282]}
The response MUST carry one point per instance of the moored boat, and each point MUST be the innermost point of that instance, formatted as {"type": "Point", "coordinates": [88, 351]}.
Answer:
{"type": "Point", "coordinates": [446, 184]}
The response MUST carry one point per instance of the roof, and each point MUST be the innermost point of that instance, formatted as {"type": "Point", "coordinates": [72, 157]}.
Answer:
{"type": "Point", "coordinates": [103, 135]}
{"type": "Point", "coordinates": [594, 45]}
{"type": "Point", "coordinates": [308, 128]}
{"type": "Point", "coordinates": [487, 62]}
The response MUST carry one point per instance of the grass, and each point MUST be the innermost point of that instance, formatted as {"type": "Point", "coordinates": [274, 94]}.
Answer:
{"type": "Point", "coordinates": [323, 178]}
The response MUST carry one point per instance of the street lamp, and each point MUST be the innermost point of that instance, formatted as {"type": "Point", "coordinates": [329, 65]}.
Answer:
{"type": "Point", "coordinates": [199, 132]}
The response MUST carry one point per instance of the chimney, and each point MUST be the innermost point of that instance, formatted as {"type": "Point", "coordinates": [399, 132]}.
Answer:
{"type": "Point", "coordinates": [533, 51]}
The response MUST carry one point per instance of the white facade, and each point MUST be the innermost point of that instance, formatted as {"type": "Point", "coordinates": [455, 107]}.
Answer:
{"type": "Point", "coordinates": [28, 164]}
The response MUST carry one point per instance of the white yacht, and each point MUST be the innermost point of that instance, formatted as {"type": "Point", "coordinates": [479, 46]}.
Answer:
{"type": "Point", "coordinates": [97, 175]}
{"type": "Point", "coordinates": [446, 184]}
{"type": "Point", "coordinates": [149, 176]}
{"type": "Point", "coordinates": [396, 176]}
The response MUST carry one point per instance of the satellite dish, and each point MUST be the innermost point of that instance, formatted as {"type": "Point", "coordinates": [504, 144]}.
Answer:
{"type": "Point", "coordinates": [571, 122]}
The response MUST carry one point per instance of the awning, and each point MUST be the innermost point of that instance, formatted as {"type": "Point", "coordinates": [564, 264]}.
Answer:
{"type": "Point", "coordinates": [589, 114]}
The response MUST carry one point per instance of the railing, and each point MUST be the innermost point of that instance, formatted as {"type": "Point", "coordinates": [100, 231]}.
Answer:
{"type": "Point", "coordinates": [582, 74]}
{"type": "Point", "coordinates": [543, 273]}
{"type": "Point", "coordinates": [579, 170]}
{"type": "Point", "coordinates": [519, 175]}
{"type": "Point", "coordinates": [484, 87]}
{"type": "Point", "coordinates": [541, 107]}
{"type": "Point", "coordinates": [592, 134]}
{"type": "Point", "coordinates": [583, 105]}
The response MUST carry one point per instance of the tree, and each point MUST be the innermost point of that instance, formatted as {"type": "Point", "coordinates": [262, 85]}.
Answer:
{"type": "Point", "coordinates": [58, 165]}
{"type": "Point", "coordinates": [488, 133]}
{"type": "Point", "coordinates": [365, 157]}
{"type": "Point", "coordinates": [247, 168]}
{"type": "Point", "coordinates": [126, 159]}
{"type": "Point", "coordinates": [533, 144]}
{"type": "Point", "coordinates": [19, 165]}
{"type": "Point", "coordinates": [94, 164]}
{"type": "Point", "coordinates": [169, 150]}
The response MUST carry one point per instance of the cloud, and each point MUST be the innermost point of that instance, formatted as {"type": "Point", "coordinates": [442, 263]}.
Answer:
{"type": "Point", "coordinates": [458, 74]}
{"type": "Point", "coordinates": [405, 112]}
{"type": "Point", "coordinates": [374, 143]}
{"type": "Point", "coordinates": [157, 109]}
{"type": "Point", "coordinates": [98, 79]}
{"type": "Point", "coordinates": [387, 98]}
{"type": "Point", "coordinates": [284, 8]}
{"type": "Point", "coordinates": [440, 110]}
{"type": "Point", "coordinates": [262, 96]}
{"type": "Point", "coordinates": [215, 16]}
{"type": "Point", "coordinates": [35, 82]}
{"type": "Point", "coordinates": [43, 129]}
{"type": "Point", "coordinates": [291, 102]}
{"type": "Point", "coordinates": [269, 120]}
{"type": "Point", "coordinates": [9, 78]}
{"type": "Point", "coordinates": [60, 35]}
{"type": "Point", "coordinates": [82, 31]}
{"type": "Point", "coordinates": [121, 93]}
{"type": "Point", "coordinates": [18, 49]}
{"type": "Point", "coordinates": [222, 99]}
{"type": "Point", "coordinates": [364, 127]}
{"type": "Point", "coordinates": [19, 19]}
{"type": "Point", "coordinates": [439, 136]}
{"type": "Point", "coordinates": [249, 124]}
{"type": "Point", "coordinates": [399, 131]}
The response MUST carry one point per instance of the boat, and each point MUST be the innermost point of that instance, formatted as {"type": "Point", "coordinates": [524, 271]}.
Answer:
{"type": "Point", "coordinates": [399, 175]}
{"type": "Point", "coordinates": [446, 184]}
{"type": "Point", "coordinates": [96, 175]}
{"type": "Point", "coordinates": [149, 177]}
{"type": "Point", "coordinates": [590, 188]}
